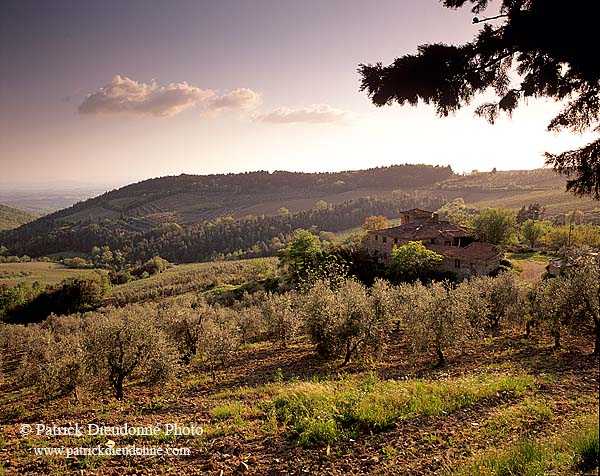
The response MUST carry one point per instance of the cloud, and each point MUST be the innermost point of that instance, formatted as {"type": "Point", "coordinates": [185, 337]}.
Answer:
{"type": "Point", "coordinates": [242, 98]}
{"type": "Point", "coordinates": [125, 95]}
{"type": "Point", "coordinates": [315, 114]}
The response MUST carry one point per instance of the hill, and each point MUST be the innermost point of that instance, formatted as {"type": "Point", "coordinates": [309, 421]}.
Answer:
{"type": "Point", "coordinates": [12, 217]}
{"type": "Point", "coordinates": [185, 211]}
{"type": "Point", "coordinates": [190, 218]}
{"type": "Point", "coordinates": [536, 179]}
{"type": "Point", "coordinates": [517, 188]}
{"type": "Point", "coordinates": [189, 199]}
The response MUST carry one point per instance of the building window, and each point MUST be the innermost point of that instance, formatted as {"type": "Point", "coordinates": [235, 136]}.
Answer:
{"type": "Point", "coordinates": [432, 241]}
{"type": "Point", "coordinates": [384, 239]}
{"type": "Point", "coordinates": [375, 252]}
{"type": "Point", "coordinates": [376, 237]}
{"type": "Point", "coordinates": [395, 241]}
{"type": "Point", "coordinates": [457, 263]}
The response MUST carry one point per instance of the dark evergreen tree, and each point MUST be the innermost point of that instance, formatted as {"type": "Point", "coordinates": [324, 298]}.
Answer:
{"type": "Point", "coordinates": [549, 43]}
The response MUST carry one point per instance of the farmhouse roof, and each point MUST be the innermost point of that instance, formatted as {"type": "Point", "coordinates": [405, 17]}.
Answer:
{"type": "Point", "coordinates": [424, 230]}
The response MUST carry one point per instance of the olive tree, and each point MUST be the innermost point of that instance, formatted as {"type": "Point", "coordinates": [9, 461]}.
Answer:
{"type": "Point", "coordinates": [348, 319]}
{"type": "Point", "coordinates": [219, 338]}
{"type": "Point", "coordinates": [55, 362]}
{"type": "Point", "coordinates": [582, 283]}
{"type": "Point", "coordinates": [550, 303]}
{"type": "Point", "coordinates": [282, 318]}
{"type": "Point", "coordinates": [504, 295]}
{"type": "Point", "coordinates": [183, 325]}
{"type": "Point", "coordinates": [125, 343]}
{"type": "Point", "coordinates": [438, 320]}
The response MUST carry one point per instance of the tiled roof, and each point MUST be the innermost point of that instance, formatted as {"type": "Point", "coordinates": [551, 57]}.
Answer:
{"type": "Point", "coordinates": [424, 230]}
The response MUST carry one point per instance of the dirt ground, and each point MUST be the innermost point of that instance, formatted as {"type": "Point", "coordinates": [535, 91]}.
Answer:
{"type": "Point", "coordinates": [567, 381]}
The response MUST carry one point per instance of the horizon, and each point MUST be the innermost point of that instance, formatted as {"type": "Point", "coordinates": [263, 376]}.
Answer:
{"type": "Point", "coordinates": [71, 185]}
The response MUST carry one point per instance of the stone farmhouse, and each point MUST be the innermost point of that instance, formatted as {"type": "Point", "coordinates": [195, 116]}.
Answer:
{"type": "Point", "coordinates": [462, 254]}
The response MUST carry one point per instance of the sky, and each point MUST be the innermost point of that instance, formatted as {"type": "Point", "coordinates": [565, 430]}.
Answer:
{"type": "Point", "coordinates": [116, 91]}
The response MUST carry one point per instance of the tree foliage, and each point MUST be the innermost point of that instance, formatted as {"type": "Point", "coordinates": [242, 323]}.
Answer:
{"type": "Point", "coordinates": [376, 222]}
{"type": "Point", "coordinates": [436, 318]}
{"type": "Point", "coordinates": [124, 343]}
{"type": "Point", "coordinates": [533, 231]}
{"type": "Point", "coordinates": [412, 261]}
{"type": "Point", "coordinates": [348, 319]}
{"type": "Point", "coordinates": [495, 225]}
{"type": "Point", "coordinates": [545, 42]}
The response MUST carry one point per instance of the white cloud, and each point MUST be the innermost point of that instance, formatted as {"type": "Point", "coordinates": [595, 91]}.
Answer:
{"type": "Point", "coordinates": [315, 114]}
{"type": "Point", "coordinates": [242, 98]}
{"type": "Point", "coordinates": [125, 95]}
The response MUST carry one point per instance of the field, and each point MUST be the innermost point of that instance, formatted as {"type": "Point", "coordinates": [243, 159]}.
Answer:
{"type": "Point", "coordinates": [503, 403]}
{"type": "Point", "coordinates": [46, 273]}
{"type": "Point", "coordinates": [275, 411]}
{"type": "Point", "coordinates": [556, 202]}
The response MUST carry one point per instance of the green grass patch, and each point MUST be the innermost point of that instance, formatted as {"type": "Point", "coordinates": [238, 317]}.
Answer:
{"type": "Point", "coordinates": [522, 415]}
{"type": "Point", "coordinates": [571, 454]}
{"type": "Point", "coordinates": [586, 447]}
{"type": "Point", "coordinates": [530, 256]}
{"type": "Point", "coordinates": [526, 458]}
{"type": "Point", "coordinates": [228, 411]}
{"type": "Point", "coordinates": [330, 411]}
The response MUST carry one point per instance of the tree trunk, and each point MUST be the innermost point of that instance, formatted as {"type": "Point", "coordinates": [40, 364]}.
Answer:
{"type": "Point", "coordinates": [441, 358]}
{"type": "Point", "coordinates": [557, 340]}
{"type": "Point", "coordinates": [119, 387]}
{"type": "Point", "coordinates": [597, 343]}
{"type": "Point", "coordinates": [528, 329]}
{"type": "Point", "coordinates": [348, 354]}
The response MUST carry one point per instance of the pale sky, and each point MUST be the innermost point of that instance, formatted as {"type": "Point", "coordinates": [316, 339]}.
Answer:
{"type": "Point", "coordinates": [118, 91]}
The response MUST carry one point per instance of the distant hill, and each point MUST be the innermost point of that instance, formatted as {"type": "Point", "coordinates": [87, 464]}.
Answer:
{"type": "Point", "coordinates": [189, 199]}
{"type": "Point", "coordinates": [134, 218]}
{"type": "Point", "coordinates": [12, 218]}
{"type": "Point", "coordinates": [517, 188]}
{"type": "Point", "coordinates": [536, 179]}
{"type": "Point", "coordinates": [189, 218]}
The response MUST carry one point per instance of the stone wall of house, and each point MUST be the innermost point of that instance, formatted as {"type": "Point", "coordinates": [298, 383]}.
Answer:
{"type": "Point", "coordinates": [381, 246]}
{"type": "Point", "coordinates": [472, 267]}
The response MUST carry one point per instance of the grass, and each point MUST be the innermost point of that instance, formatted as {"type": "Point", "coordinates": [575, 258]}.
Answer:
{"type": "Point", "coordinates": [571, 454]}
{"type": "Point", "coordinates": [524, 414]}
{"type": "Point", "coordinates": [46, 273]}
{"type": "Point", "coordinates": [228, 411]}
{"type": "Point", "coordinates": [530, 256]}
{"type": "Point", "coordinates": [586, 447]}
{"type": "Point", "coordinates": [329, 411]}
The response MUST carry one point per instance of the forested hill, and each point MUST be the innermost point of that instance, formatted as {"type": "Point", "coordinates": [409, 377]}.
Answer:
{"type": "Point", "coordinates": [12, 218]}
{"type": "Point", "coordinates": [189, 199]}
{"type": "Point", "coordinates": [137, 217]}
{"type": "Point", "coordinates": [193, 199]}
